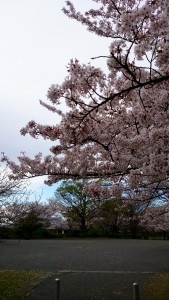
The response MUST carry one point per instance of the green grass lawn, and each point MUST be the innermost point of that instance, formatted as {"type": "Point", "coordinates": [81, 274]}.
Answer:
{"type": "Point", "coordinates": [156, 287]}
{"type": "Point", "coordinates": [15, 284]}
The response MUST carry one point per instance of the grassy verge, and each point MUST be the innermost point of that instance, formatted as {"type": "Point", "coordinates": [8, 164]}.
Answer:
{"type": "Point", "coordinates": [15, 284]}
{"type": "Point", "coordinates": [156, 287]}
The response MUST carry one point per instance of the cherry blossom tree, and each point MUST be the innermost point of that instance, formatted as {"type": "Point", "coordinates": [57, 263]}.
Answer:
{"type": "Point", "coordinates": [26, 216]}
{"type": "Point", "coordinates": [116, 125]}
{"type": "Point", "coordinates": [10, 188]}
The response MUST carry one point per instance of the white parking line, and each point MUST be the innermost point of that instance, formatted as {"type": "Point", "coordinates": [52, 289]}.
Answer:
{"type": "Point", "coordinates": [104, 272]}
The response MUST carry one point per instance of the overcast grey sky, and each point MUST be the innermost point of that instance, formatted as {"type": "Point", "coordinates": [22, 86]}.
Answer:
{"type": "Point", "coordinates": [36, 43]}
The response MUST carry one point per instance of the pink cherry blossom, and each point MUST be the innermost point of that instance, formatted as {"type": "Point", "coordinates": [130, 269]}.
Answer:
{"type": "Point", "coordinates": [116, 125]}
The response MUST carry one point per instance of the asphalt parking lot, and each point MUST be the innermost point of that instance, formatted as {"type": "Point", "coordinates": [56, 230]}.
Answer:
{"type": "Point", "coordinates": [89, 269]}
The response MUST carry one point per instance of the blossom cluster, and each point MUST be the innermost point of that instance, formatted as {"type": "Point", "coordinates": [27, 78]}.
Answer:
{"type": "Point", "coordinates": [117, 123]}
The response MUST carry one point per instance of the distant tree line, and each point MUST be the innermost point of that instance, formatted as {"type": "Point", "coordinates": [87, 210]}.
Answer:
{"type": "Point", "coordinates": [79, 210]}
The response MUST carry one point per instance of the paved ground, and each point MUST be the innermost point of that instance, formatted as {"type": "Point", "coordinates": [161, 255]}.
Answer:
{"type": "Point", "coordinates": [102, 269]}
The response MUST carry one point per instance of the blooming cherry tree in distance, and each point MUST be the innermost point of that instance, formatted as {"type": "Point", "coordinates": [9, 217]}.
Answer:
{"type": "Point", "coordinates": [116, 126]}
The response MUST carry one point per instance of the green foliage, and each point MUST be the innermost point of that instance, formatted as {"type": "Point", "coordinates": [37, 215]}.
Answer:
{"type": "Point", "coordinates": [78, 206]}
{"type": "Point", "coordinates": [27, 224]}
{"type": "Point", "coordinates": [5, 233]}
{"type": "Point", "coordinates": [111, 213]}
